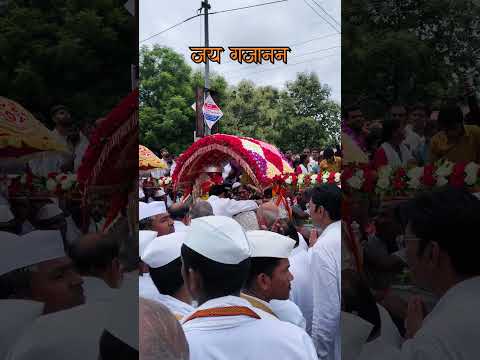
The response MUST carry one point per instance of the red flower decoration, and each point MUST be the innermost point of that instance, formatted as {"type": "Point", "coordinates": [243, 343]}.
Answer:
{"type": "Point", "coordinates": [331, 178]}
{"type": "Point", "coordinates": [369, 183]}
{"type": "Point", "coordinates": [457, 179]}
{"type": "Point", "coordinates": [428, 178]}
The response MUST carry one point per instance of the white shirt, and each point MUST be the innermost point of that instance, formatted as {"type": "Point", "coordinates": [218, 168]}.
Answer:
{"type": "Point", "coordinates": [146, 287]}
{"type": "Point", "coordinates": [412, 140]}
{"type": "Point", "coordinates": [394, 159]}
{"type": "Point", "coordinates": [325, 260]}
{"type": "Point", "coordinates": [96, 289]}
{"type": "Point", "coordinates": [311, 165]}
{"type": "Point", "coordinates": [148, 290]}
{"type": "Point", "coordinates": [15, 317]}
{"type": "Point", "coordinates": [301, 292]}
{"type": "Point", "coordinates": [179, 226]}
{"type": "Point", "coordinates": [230, 207]}
{"type": "Point", "coordinates": [72, 334]}
{"type": "Point", "coordinates": [450, 331]}
{"type": "Point", "coordinates": [303, 169]}
{"type": "Point", "coordinates": [284, 310]}
{"type": "Point", "coordinates": [288, 311]}
{"type": "Point", "coordinates": [242, 337]}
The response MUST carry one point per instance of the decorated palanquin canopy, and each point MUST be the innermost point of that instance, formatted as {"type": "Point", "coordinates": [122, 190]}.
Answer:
{"type": "Point", "coordinates": [111, 157]}
{"type": "Point", "coordinates": [148, 160]}
{"type": "Point", "coordinates": [260, 161]}
{"type": "Point", "coordinates": [109, 166]}
{"type": "Point", "coordinates": [21, 134]}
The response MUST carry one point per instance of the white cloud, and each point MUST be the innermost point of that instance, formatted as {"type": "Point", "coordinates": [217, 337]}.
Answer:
{"type": "Point", "coordinates": [281, 24]}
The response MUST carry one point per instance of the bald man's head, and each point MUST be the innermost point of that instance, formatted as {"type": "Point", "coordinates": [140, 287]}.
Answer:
{"type": "Point", "coordinates": [267, 214]}
{"type": "Point", "coordinates": [200, 209]}
{"type": "Point", "coordinates": [179, 212]}
{"type": "Point", "coordinates": [160, 334]}
{"type": "Point", "coordinates": [97, 255]}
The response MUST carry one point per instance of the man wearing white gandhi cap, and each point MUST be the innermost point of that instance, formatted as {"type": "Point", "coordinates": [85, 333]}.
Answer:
{"type": "Point", "coordinates": [268, 283]}
{"type": "Point", "coordinates": [146, 287]}
{"type": "Point", "coordinates": [165, 267]}
{"type": "Point", "coordinates": [34, 266]}
{"type": "Point", "coordinates": [154, 216]}
{"type": "Point", "coordinates": [216, 258]}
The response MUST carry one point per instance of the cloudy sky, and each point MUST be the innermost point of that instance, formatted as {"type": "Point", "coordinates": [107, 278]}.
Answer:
{"type": "Point", "coordinates": [315, 44]}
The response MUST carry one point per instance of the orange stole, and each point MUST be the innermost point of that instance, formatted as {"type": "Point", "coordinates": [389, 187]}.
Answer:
{"type": "Point", "coordinates": [255, 303]}
{"type": "Point", "coordinates": [223, 311]}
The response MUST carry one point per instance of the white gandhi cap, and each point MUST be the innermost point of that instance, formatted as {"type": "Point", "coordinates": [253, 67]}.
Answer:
{"type": "Point", "coordinates": [145, 237]}
{"type": "Point", "coordinates": [48, 211]}
{"type": "Point", "coordinates": [123, 319]}
{"type": "Point", "coordinates": [164, 249]}
{"type": "Point", "coordinates": [30, 249]}
{"type": "Point", "coordinates": [151, 209]}
{"type": "Point", "coordinates": [270, 244]}
{"type": "Point", "coordinates": [6, 214]}
{"type": "Point", "coordinates": [218, 238]}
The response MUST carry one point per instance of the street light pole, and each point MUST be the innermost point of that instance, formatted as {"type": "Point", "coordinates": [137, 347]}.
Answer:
{"type": "Point", "coordinates": [206, 7]}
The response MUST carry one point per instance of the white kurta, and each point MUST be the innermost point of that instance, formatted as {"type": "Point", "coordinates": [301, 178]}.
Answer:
{"type": "Point", "coordinates": [147, 290]}
{"type": "Point", "coordinates": [325, 260]}
{"type": "Point", "coordinates": [288, 311]}
{"type": "Point", "coordinates": [230, 207]}
{"type": "Point", "coordinates": [450, 330]}
{"type": "Point", "coordinates": [15, 317]}
{"type": "Point", "coordinates": [70, 334]}
{"type": "Point", "coordinates": [301, 292]}
{"type": "Point", "coordinates": [96, 290]}
{"type": "Point", "coordinates": [179, 226]}
{"type": "Point", "coordinates": [146, 287]}
{"type": "Point", "coordinates": [243, 337]}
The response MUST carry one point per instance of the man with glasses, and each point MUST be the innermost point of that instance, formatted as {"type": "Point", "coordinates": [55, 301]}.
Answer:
{"type": "Point", "coordinates": [443, 257]}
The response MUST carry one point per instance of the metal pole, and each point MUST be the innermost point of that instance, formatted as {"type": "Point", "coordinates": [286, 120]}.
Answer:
{"type": "Point", "coordinates": [206, 6]}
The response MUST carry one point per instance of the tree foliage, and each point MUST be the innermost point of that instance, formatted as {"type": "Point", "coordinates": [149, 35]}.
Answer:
{"type": "Point", "coordinates": [407, 51]}
{"type": "Point", "coordinates": [73, 52]}
{"type": "Point", "coordinates": [300, 115]}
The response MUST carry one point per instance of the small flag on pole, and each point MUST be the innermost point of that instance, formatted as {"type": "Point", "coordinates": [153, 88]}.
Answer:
{"type": "Point", "coordinates": [211, 112]}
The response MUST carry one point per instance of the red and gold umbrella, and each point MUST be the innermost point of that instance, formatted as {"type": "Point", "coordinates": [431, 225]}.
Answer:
{"type": "Point", "coordinates": [148, 160]}
{"type": "Point", "coordinates": [21, 134]}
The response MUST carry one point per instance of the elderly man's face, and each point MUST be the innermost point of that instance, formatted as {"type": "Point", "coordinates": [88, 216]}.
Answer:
{"type": "Point", "coordinates": [163, 224]}
{"type": "Point", "coordinates": [57, 284]}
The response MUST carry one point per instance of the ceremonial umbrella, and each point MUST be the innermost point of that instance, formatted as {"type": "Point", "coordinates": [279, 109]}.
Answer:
{"type": "Point", "coordinates": [148, 160]}
{"type": "Point", "coordinates": [21, 134]}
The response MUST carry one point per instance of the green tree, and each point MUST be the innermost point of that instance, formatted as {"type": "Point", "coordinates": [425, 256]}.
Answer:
{"type": "Point", "coordinates": [166, 93]}
{"type": "Point", "coordinates": [408, 51]}
{"type": "Point", "coordinates": [73, 52]}
{"type": "Point", "coordinates": [302, 115]}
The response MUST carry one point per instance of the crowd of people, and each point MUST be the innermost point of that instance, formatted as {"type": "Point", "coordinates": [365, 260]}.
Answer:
{"type": "Point", "coordinates": [418, 133]}
{"type": "Point", "coordinates": [64, 283]}
{"type": "Point", "coordinates": [242, 278]}
{"type": "Point", "coordinates": [408, 264]}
